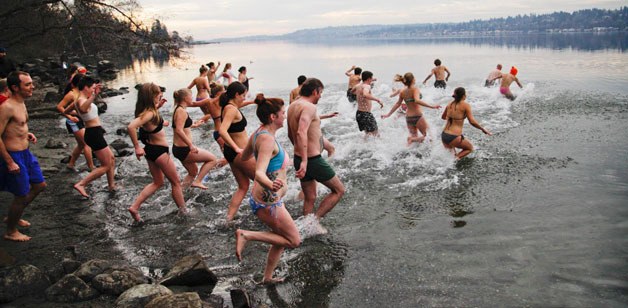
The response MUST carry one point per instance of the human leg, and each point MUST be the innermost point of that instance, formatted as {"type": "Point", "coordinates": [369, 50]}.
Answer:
{"type": "Point", "coordinates": [209, 162]}
{"type": "Point", "coordinates": [309, 196]}
{"type": "Point", "coordinates": [87, 151]}
{"type": "Point", "coordinates": [331, 199]}
{"type": "Point", "coordinates": [166, 164]}
{"type": "Point", "coordinates": [243, 186]}
{"type": "Point", "coordinates": [103, 156]}
{"type": "Point", "coordinates": [149, 190]}
{"type": "Point", "coordinates": [464, 145]}
{"type": "Point", "coordinates": [16, 209]}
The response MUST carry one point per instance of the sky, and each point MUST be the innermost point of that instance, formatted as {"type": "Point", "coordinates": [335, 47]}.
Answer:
{"type": "Point", "coordinates": [208, 19]}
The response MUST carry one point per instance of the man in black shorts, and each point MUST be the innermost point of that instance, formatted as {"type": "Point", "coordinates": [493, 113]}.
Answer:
{"type": "Point", "coordinates": [364, 117]}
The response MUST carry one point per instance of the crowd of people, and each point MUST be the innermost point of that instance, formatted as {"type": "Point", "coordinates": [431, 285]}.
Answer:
{"type": "Point", "coordinates": [257, 157]}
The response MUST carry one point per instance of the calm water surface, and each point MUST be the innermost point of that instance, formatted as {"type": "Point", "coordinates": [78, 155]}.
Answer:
{"type": "Point", "coordinates": [537, 216]}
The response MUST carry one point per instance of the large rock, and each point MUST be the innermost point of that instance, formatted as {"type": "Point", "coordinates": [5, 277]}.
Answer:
{"type": "Point", "coordinates": [70, 289]}
{"type": "Point", "coordinates": [92, 268]}
{"type": "Point", "coordinates": [140, 295]}
{"type": "Point", "coordinates": [240, 298]}
{"type": "Point", "coordinates": [117, 280]}
{"type": "Point", "coordinates": [181, 300]}
{"type": "Point", "coordinates": [54, 143]}
{"type": "Point", "coordinates": [190, 271]}
{"type": "Point", "coordinates": [18, 281]}
{"type": "Point", "coordinates": [119, 144]}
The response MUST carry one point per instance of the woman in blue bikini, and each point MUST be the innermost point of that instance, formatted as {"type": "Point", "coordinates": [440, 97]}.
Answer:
{"type": "Point", "coordinates": [269, 187]}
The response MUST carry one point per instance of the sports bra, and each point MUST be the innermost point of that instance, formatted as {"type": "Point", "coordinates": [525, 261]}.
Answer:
{"type": "Point", "coordinates": [145, 135]}
{"type": "Point", "coordinates": [90, 115]}
{"type": "Point", "coordinates": [188, 121]}
{"type": "Point", "coordinates": [234, 127]}
{"type": "Point", "coordinates": [278, 161]}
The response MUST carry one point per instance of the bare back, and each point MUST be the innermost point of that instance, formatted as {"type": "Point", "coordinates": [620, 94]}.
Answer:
{"type": "Point", "coordinates": [439, 72]}
{"type": "Point", "coordinates": [507, 80]}
{"type": "Point", "coordinates": [455, 114]}
{"type": "Point", "coordinates": [202, 86]}
{"type": "Point", "coordinates": [13, 125]}
{"type": "Point", "coordinates": [364, 103]}
{"type": "Point", "coordinates": [302, 111]}
{"type": "Point", "coordinates": [354, 80]}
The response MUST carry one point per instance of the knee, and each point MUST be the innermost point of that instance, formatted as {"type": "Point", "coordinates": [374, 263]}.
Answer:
{"type": "Point", "coordinates": [340, 190]}
{"type": "Point", "coordinates": [294, 242]}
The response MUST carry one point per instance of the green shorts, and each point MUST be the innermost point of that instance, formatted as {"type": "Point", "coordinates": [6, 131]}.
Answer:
{"type": "Point", "coordinates": [317, 169]}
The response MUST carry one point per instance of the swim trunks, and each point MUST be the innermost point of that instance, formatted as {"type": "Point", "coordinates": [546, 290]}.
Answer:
{"type": "Point", "coordinates": [352, 97]}
{"type": "Point", "coordinates": [440, 84]}
{"type": "Point", "coordinates": [74, 127]}
{"type": "Point", "coordinates": [317, 169]}
{"type": "Point", "coordinates": [448, 138]}
{"type": "Point", "coordinates": [152, 152]}
{"type": "Point", "coordinates": [216, 135]}
{"type": "Point", "coordinates": [30, 173]}
{"type": "Point", "coordinates": [412, 121]}
{"type": "Point", "coordinates": [504, 90]}
{"type": "Point", "coordinates": [366, 121]}
{"type": "Point", "coordinates": [489, 83]}
{"type": "Point", "coordinates": [95, 138]}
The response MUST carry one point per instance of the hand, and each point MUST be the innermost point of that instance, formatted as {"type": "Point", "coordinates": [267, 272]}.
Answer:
{"type": "Point", "coordinates": [13, 168]}
{"type": "Point", "coordinates": [31, 137]}
{"type": "Point", "coordinates": [139, 152]}
{"type": "Point", "coordinates": [161, 103]}
{"type": "Point", "coordinates": [74, 119]}
{"type": "Point", "coordinates": [300, 173]}
{"type": "Point", "coordinates": [97, 89]}
{"type": "Point", "coordinates": [436, 107]}
{"type": "Point", "coordinates": [277, 185]}
{"type": "Point", "coordinates": [193, 149]}
{"type": "Point", "coordinates": [424, 82]}
{"type": "Point", "coordinates": [198, 123]}
{"type": "Point", "coordinates": [488, 133]}
{"type": "Point", "coordinates": [384, 116]}
{"type": "Point", "coordinates": [238, 150]}
{"type": "Point", "coordinates": [380, 104]}
{"type": "Point", "coordinates": [166, 123]}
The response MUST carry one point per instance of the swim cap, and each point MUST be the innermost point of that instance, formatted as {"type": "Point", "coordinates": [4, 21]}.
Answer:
{"type": "Point", "coordinates": [81, 70]}
{"type": "Point", "coordinates": [514, 71]}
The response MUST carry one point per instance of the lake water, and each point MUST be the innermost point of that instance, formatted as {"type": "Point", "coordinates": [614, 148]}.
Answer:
{"type": "Point", "coordinates": [537, 216]}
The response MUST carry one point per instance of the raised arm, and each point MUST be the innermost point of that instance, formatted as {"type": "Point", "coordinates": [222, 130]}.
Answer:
{"type": "Point", "coordinates": [348, 73]}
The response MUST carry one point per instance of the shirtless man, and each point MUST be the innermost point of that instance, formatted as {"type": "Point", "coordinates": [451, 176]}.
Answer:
{"type": "Point", "coordinates": [19, 170]}
{"type": "Point", "coordinates": [304, 131]}
{"type": "Point", "coordinates": [211, 75]}
{"type": "Point", "coordinates": [364, 117]}
{"type": "Point", "coordinates": [439, 75]}
{"type": "Point", "coordinates": [294, 94]}
{"type": "Point", "coordinates": [493, 75]}
{"type": "Point", "coordinates": [508, 79]}
{"type": "Point", "coordinates": [354, 79]}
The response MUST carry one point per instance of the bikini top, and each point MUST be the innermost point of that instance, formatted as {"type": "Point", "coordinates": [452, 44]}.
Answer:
{"type": "Point", "coordinates": [278, 161]}
{"type": "Point", "coordinates": [90, 115]}
{"type": "Point", "coordinates": [450, 118]}
{"type": "Point", "coordinates": [411, 98]}
{"type": "Point", "coordinates": [144, 135]}
{"type": "Point", "coordinates": [188, 121]}
{"type": "Point", "coordinates": [234, 127]}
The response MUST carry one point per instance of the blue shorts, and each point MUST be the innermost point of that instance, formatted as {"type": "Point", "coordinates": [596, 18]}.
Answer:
{"type": "Point", "coordinates": [74, 127]}
{"type": "Point", "coordinates": [30, 173]}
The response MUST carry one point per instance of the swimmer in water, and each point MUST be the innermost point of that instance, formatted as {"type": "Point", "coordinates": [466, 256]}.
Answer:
{"type": "Point", "coordinates": [507, 80]}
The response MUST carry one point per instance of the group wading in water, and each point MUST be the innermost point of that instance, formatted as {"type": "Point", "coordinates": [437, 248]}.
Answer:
{"type": "Point", "coordinates": [257, 157]}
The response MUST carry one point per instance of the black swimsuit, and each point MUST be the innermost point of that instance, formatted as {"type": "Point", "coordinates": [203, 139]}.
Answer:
{"type": "Point", "coordinates": [229, 153]}
{"type": "Point", "coordinates": [152, 151]}
{"type": "Point", "coordinates": [181, 153]}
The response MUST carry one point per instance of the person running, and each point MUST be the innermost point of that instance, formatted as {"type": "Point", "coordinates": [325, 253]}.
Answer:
{"type": "Point", "coordinates": [20, 173]}
{"type": "Point", "coordinates": [354, 80]}
{"type": "Point", "coordinates": [294, 94]}
{"type": "Point", "coordinates": [364, 117]}
{"type": "Point", "coordinates": [213, 68]}
{"type": "Point", "coordinates": [94, 135]}
{"type": "Point", "coordinates": [411, 95]}
{"type": "Point", "coordinates": [507, 80]}
{"type": "Point", "coordinates": [227, 75]}
{"type": "Point", "coordinates": [183, 147]}
{"type": "Point", "coordinates": [233, 132]}
{"type": "Point", "coordinates": [455, 113]}
{"type": "Point", "coordinates": [439, 75]}
{"type": "Point", "coordinates": [201, 83]}
{"type": "Point", "coordinates": [269, 188]}
{"type": "Point", "coordinates": [493, 75]}
{"type": "Point", "coordinates": [304, 131]}
{"type": "Point", "coordinates": [151, 134]}
{"type": "Point", "coordinates": [75, 125]}
{"type": "Point", "coordinates": [242, 78]}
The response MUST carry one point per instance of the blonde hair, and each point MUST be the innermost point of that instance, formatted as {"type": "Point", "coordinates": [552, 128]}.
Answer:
{"type": "Point", "coordinates": [180, 95]}
{"type": "Point", "coordinates": [406, 79]}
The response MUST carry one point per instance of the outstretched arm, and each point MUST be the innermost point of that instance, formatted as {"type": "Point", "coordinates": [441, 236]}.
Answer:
{"type": "Point", "coordinates": [518, 83]}
{"type": "Point", "coordinates": [395, 107]}
{"type": "Point", "coordinates": [428, 76]}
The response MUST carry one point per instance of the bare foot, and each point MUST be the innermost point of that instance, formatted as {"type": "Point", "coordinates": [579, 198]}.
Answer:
{"type": "Point", "coordinates": [240, 243]}
{"type": "Point", "coordinates": [183, 211]}
{"type": "Point", "coordinates": [114, 188]}
{"type": "Point", "coordinates": [17, 237]}
{"type": "Point", "coordinates": [199, 185]}
{"type": "Point", "coordinates": [22, 223]}
{"type": "Point", "coordinates": [273, 281]}
{"type": "Point", "coordinates": [135, 214]}
{"type": "Point", "coordinates": [71, 168]}
{"type": "Point", "coordinates": [81, 190]}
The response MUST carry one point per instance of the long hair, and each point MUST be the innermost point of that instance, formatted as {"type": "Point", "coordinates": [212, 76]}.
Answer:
{"type": "Point", "coordinates": [180, 95]}
{"type": "Point", "coordinates": [406, 79]}
{"type": "Point", "coordinates": [459, 94]}
{"type": "Point", "coordinates": [234, 88]}
{"type": "Point", "coordinates": [146, 101]}
{"type": "Point", "coordinates": [266, 107]}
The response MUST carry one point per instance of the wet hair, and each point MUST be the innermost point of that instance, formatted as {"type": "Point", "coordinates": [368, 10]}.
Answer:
{"type": "Point", "coordinates": [357, 71]}
{"type": "Point", "coordinates": [13, 79]}
{"type": "Point", "coordinates": [215, 89]}
{"type": "Point", "coordinates": [234, 88]}
{"type": "Point", "coordinates": [406, 79]}
{"type": "Point", "coordinates": [266, 107]}
{"type": "Point", "coordinates": [203, 69]}
{"type": "Point", "coordinates": [301, 79]}
{"type": "Point", "coordinates": [210, 64]}
{"type": "Point", "coordinates": [459, 94]}
{"type": "Point", "coordinates": [227, 66]}
{"type": "Point", "coordinates": [73, 83]}
{"type": "Point", "coordinates": [181, 94]}
{"type": "Point", "coordinates": [3, 85]}
{"type": "Point", "coordinates": [309, 86]}
{"type": "Point", "coordinates": [146, 101]}
{"type": "Point", "coordinates": [366, 75]}
{"type": "Point", "coordinates": [86, 81]}
{"type": "Point", "coordinates": [242, 69]}
{"type": "Point", "coordinates": [437, 62]}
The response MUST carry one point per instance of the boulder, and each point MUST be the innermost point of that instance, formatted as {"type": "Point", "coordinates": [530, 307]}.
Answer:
{"type": "Point", "coordinates": [119, 144]}
{"type": "Point", "coordinates": [70, 289]}
{"type": "Point", "coordinates": [117, 280]}
{"type": "Point", "coordinates": [240, 298]}
{"type": "Point", "coordinates": [124, 153]}
{"type": "Point", "coordinates": [188, 300]}
{"type": "Point", "coordinates": [21, 280]}
{"type": "Point", "coordinates": [122, 132]}
{"type": "Point", "coordinates": [140, 295]}
{"type": "Point", "coordinates": [53, 143]}
{"type": "Point", "coordinates": [190, 271]}
{"type": "Point", "coordinates": [92, 268]}
{"type": "Point", "coordinates": [70, 266]}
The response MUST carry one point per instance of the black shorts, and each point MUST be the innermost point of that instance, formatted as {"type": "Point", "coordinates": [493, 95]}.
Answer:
{"type": "Point", "coordinates": [152, 152]}
{"type": "Point", "coordinates": [351, 96]}
{"type": "Point", "coordinates": [229, 153]}
{"type": "Point", "coordinates": [366, 121]}
{"type": "Point", "coordinates": [440, 84]}
{"type": "Point", "coordinates": [180, 153]}
{"type": "Point", "coordinates": [95, 138]}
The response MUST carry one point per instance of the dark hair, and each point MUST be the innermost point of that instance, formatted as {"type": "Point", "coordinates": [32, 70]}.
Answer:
{"type": "Point", "coordinates": [366, 75]}
{"type": "Point", "coordinates": [309, 86]}
{"type": "Point", "coordinates": [146, 101]}
{"type": "Point", "coordinates": [357, 71]}
{"type": "Point", "coordinates": [266, 107]}
{"type": "Point", "coordinates": [210, 64]}
{"type": "Point", "coordinates": [241, 69]}
{"type": "Point", "coordinates": [234, 88]}
{"type": "Point", "coordinates": [72, 69]}
{"type": "Point", "coordinates": [459, 93]}
{"type": "Point", "coordinates": [406, 79]}
{"type": "Point", "coordinates": [73, 83]}
{"type": "Point", "coordinates": [203, 69]}
{"type": "Point", "coordinates": [301, 79]}
{"type": "Point", "coordinates": [437, 62]}
{"type": "Point", "coordinates": [13, 79]}
{"type": "Point", "coordinates": [86, 81]}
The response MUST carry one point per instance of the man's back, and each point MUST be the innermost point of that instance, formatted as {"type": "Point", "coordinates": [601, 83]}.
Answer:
{"type": "Point", "coordinates": [507, 79]}
{"type": "Point", "coordinates": [439, 72]}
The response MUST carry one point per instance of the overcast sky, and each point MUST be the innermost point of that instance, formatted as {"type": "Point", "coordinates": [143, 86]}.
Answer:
{"type": "Point", "coordinates": [207, 19]}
